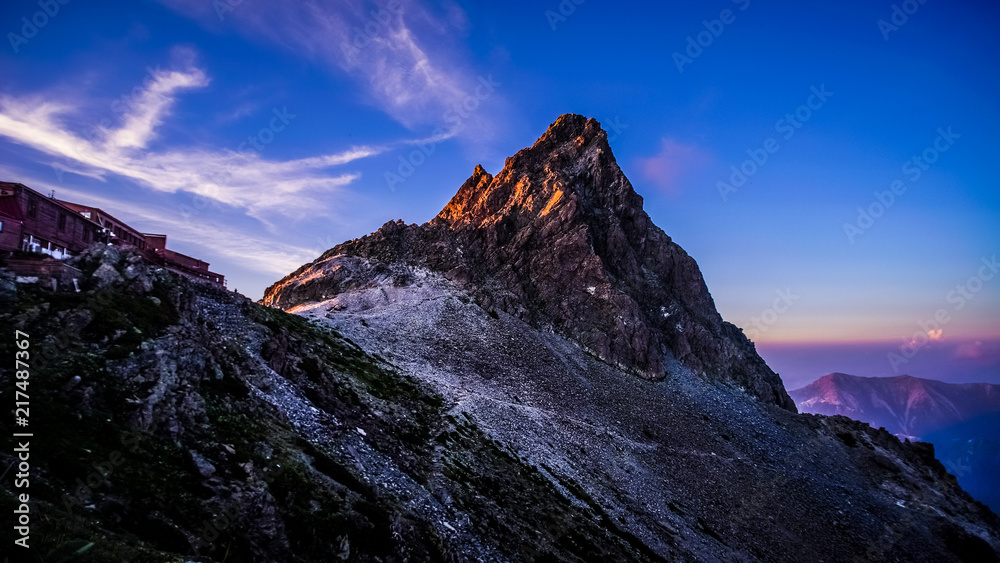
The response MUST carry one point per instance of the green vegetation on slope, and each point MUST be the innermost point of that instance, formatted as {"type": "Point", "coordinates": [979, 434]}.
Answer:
{"type": "Point", "coordinates": [152, 443]}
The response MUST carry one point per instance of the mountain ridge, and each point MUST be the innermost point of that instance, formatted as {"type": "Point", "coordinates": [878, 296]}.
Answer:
{"type": "Point", "coordinates": [889, 401]}
{"type": "Point", "coordinates": [558, 238]}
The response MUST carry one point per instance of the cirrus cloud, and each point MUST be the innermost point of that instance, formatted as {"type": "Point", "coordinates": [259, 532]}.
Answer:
{"type": "Point", "coordinates": [263, 188]}
{"type": "Point", "coordinates": [403, 56]}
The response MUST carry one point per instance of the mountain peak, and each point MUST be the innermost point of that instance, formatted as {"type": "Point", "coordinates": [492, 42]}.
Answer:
{"type": "Point", "coordinates": [568, 174]}
{"type": "Point", "coordinates": [559, 239]}
{"type": "Point", "coordinates": [572, 127]}
{"type": "Point", "coordinates": [470, 192]}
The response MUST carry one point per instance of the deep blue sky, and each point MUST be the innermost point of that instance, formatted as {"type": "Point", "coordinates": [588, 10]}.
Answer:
{"type": "Point", "coordinates": [144, 108]}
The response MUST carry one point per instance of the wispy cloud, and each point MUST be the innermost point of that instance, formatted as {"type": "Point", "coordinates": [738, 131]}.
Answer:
{"type": "Point", "coordinates": [152, 106]}
{"type": "Point", "coordinates": [401, 55]}
{"type": "Point", "coordinates": [978, 350]}
{"type": "Point", "coordinates": [669, 167]}
{"type": "Point", "coordinates": [264, 189]}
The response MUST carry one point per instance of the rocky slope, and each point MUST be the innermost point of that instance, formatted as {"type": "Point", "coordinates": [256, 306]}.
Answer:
{"type": "Point", "coordinates": [526, 302]}
{"type": "Point", "coordinates": [558, 239]}
{"type": "Point", "coordinates": [174, 421]}
{"type": "Point", "coordinates": [961, 420]}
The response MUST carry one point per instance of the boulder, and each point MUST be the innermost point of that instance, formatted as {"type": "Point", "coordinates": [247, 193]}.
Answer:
{"type": "Point", "coordinates": [106, 275]}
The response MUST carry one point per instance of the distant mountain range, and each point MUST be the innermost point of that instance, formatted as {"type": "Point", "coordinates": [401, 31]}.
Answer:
{"type": "Point", "coordinates": [962, 420]}
{"type": "Point", "coordinates": [909, 407]}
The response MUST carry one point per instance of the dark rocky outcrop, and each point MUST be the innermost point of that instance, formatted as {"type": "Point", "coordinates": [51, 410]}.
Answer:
{"type": "Point", "coordinates": [559, 239]}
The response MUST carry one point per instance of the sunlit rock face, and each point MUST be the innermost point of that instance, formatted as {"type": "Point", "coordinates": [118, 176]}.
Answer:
{"type": "Point", "coordinates": [559, 239]}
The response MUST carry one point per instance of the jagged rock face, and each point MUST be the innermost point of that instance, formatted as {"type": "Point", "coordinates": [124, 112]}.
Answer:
{"type": "Point", "coordinates": [559, 238]}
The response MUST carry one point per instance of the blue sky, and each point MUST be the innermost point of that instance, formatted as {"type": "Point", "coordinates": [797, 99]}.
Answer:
{"type": "Point", "coordinates": [258, 134]}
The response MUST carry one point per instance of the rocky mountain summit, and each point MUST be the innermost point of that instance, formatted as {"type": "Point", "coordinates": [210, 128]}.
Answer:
{"type": "Point", "coordinates": [527, 303]}
{"type": "Point", "coordinates": [417, 408]}
{"type": "Point", "coordinates": [559, 239]}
